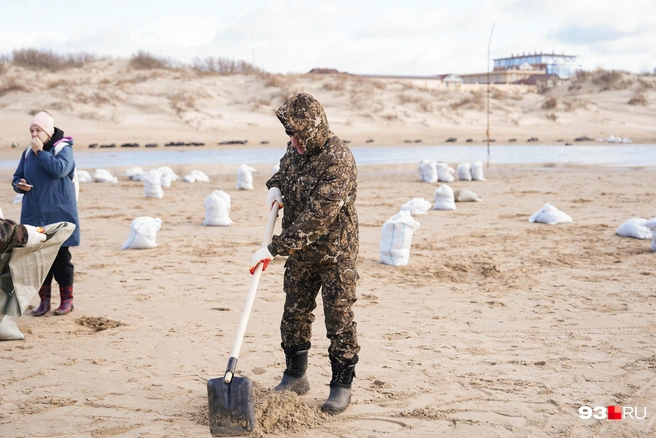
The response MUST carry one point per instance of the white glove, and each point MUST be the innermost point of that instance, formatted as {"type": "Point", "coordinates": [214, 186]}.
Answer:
{"type": "Point", "coordinates": [262, 255]}
{"type": "Point", "coordinates": [274, 196]}
{"type": "Point", "coordinates": [34, 237]}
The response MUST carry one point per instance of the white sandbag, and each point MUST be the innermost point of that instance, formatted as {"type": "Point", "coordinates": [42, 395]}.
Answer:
{"type": "Point", "coordinates": [83, 176]}
{"type": "Point", "coordinates": [18, 199]}
{"type": "Point", "coordinates": [189, 178]}
{"type": "Point", "coordinates": [550, 215]}
{"type": "Point", "coordinates": [153, 184]}
{"type": "Point", "coordinates": [444, 198]}
{"type": "Point", "coordinates": [200, 176]}
{"type": "Point", "coordinates": [9, 331]}
{"type": "Point", "coordinates": [2, 215]}
{"type": "Point", "coordinates": [417, 206]}
{"type": "Point", "coordinates": [217, 209]}
{"type": "Point", "coordinates": [104, 176]}
{"type": "Point", "coordinates": [444, 172]}
{"type": "Point", "coordinates": [143, 233]}
{"type": "Point", "coordinates": [167, 170]}
{"type": "Point", "coordinates": [477, 171]}
{"type": "Point", "coordinates": [634, 228]}
{"type": "Point", "coordinates": [651, 224]}
{"type": "Point", "coordinates": [428, 171]}
{"type": "Point", "coordinates": [466, 195]}
{"type": "Point", "coordinates": [245, 177]}
{"type": "Point", "coordinates": [396, 238]}
{"type": "Point", "coordinates": [464, 171]}
{"type": "Point", "coordinates": [135, 174]}
{"type": "Point", "coordinates": [167, 175]}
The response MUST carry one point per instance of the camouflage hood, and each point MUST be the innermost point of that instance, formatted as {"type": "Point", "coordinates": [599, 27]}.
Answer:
{"type": "Point", "coordinates": [304, 116]}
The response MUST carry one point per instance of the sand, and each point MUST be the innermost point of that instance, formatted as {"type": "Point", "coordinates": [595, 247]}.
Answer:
{"type": "Point", "coordinates": [497, 327]}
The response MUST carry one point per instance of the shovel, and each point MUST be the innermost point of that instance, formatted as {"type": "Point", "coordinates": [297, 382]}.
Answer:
{"type": "Point", "coordinates": [230, 398]}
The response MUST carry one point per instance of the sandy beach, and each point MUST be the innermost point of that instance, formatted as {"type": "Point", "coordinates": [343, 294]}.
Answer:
{"type": "Point", "coordinates": [497, 327]}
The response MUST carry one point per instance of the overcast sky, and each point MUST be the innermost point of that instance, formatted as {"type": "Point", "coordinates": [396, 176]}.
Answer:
{"type": "Point", "coordinates": [414, 37]}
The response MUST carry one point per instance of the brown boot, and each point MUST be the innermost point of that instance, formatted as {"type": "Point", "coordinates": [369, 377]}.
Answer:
{"type": "Point", "coordinates": [44, 306]}
{"type": "Point", "coordinates": [66, 305]}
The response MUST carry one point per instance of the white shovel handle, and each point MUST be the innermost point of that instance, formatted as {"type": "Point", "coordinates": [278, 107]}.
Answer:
{"type": "Point", "coordinates": [250, 298]}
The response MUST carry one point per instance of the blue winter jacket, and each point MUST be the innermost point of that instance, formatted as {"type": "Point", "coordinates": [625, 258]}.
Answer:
{"type": "Point", "coordinates": [52, 197]}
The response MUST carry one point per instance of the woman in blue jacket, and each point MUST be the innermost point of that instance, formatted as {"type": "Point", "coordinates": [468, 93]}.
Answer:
{"type": "Point", "coordinates": [45, 177]}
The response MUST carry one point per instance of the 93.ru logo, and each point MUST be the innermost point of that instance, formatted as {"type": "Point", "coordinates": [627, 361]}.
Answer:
{"type": "Point", "coordinates": [613, 413]}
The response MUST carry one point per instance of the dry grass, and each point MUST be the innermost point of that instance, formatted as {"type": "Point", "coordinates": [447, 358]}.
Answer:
{"type": "Point", "coordinates": [474, 101]}
{"type": "Point", "coordinates": [34, 59]}
{"type": "Point", "coordinates": [550, 103]}
{"type": "Point", "coordinates": [182, 102]}
{"type": "Point", "coordinates": [638, 98]}
{"type": "Point", "coordinates": [57, 83]}
{"type": "Point", "coordinates": [10, 85]}
{"type": "Point", "coordinates": [336, 83]}
{"type": "Point", "coordinates": [225, 66]}
{"type": "Point", "coordinates": [278, 81]}
{"type": "Point", "coordinates": [147, 61]}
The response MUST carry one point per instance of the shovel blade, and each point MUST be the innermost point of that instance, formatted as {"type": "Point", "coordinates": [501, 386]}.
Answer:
{"type": "Point", "coordinates": [231, 406]}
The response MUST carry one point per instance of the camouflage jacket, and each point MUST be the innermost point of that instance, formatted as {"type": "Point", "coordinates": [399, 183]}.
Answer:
{"type": "Point", "coordinates": [11, 235]}
{"type": "Point", "coordinates": [319, 187]}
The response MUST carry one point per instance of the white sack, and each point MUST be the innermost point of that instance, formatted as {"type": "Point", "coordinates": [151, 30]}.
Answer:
{"type": "Point", "coordinates": [135, 173]}
{"type": "Point", "coordinates": [464, 171]}
{"type": "Point", "coordinates": [651, 224]}
{"type": "Point", "coordinates": [444, 172]}
{"type": "Point", "coordinates": [167, 175]}
{"type": "Point", "coordinates": [200, 176]}
{"type": "Point", "coordinates": [550, 215]}
{"type": "Point", "coordinates": [396, 238]}
{"type": "Point", "coordinates": [143, 233]}
{"type": "Point", "coordinates": [444, 198]}
{"type": "Point", "coordinates": [103, 175]}
{"type": "Point", "coordinates": [18, 199]}
{"type": "Point", "coordinates": [477, 171]}
{"type": "Point", "coordinates": [428, 171]}
{"type": "Point", "coordinates": [634, 228]}
{"type": "Point", "coordinates": [217, 209]}
{"type": "Point", "coordinates": [153, 184]}
{"type": "Point", "coordinates": [2, 215]}
{"type": "Point", "coordinates": [466, 195]}
{"type": "Point", "coordinates": [83, 176]}
{"type": "Point", "coordinates": [170, 172]}
{"type": "Point", "coordinates": [245, 177]}
{"type": "Point", "coordinates": [417, 206]}
{"type": "Point", "coordinates": [9, 331]}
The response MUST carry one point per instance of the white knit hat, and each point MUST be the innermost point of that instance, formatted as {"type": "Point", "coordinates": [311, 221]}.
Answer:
{"type": "Point", "coordinates": [44, 121]}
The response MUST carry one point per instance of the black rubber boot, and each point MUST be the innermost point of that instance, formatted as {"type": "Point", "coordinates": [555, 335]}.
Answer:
{"type": "Point", "coordinates": [294, 378]}
{"type": "Point", "coordinates": [340, 386]}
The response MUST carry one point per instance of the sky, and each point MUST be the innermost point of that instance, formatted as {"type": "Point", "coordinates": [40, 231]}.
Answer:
{"type": "Point", "coordinates": [395, 37]}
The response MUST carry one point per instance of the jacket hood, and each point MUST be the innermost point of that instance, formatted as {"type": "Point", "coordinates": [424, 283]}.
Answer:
{"type": "Point", "coordinates": [305, 117]}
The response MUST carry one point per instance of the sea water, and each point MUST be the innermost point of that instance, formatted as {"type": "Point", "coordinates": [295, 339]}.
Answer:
{"type": "Point", "coordinates": [609, 155]}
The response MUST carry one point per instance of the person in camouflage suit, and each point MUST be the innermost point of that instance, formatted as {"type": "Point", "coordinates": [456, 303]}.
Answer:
{"type": "Point", "coordinates": [317, 184]}
{"type": "Point", "coordinates": [13, 235]}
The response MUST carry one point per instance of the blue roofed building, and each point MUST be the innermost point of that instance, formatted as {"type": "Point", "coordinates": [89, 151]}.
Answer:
{"type": "Point", "coordinates": [565, 66]}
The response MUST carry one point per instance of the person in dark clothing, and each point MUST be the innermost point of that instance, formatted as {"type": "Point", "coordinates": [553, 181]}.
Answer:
{"type": "Point", "coordinates": [45, 176]}
{"type": "Point", "coordinates": [317, 184]}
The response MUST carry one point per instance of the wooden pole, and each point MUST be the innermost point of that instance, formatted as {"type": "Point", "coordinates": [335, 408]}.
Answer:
{"type": "Point", "coordinates": [488, 96]}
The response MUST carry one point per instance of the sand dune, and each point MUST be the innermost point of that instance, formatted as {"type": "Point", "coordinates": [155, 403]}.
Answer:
{"type": "Point", "coordinates": [108, 101]}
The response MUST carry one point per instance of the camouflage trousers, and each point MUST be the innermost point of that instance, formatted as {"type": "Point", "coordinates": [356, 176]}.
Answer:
{"type": "Point", "coordinates": [301, 285]}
